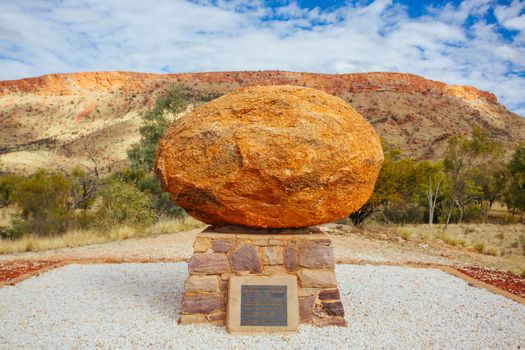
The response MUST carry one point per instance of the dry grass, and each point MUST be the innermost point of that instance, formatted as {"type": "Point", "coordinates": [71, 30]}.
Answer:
{"type": "Point", "coordinates": [500, 247]}
{"type": "Point", "coordinates": [490, 239]}
{"type": "Point", "coordinates": [76, 238]}
{"type": "Point", "coordinates": [496, 246]}
{"type": "Point", "coordinates": [450, 239]}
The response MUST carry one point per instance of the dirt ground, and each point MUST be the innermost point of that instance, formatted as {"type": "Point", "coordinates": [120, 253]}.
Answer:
{"type": "Point", "coordinates": [349, 249]}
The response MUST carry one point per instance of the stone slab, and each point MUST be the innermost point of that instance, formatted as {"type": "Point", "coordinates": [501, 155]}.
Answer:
{"type": "Point", "coordinates": [245, 258]}
{"type": "Point", "coordinates": [261, 231]}
{"type": "Point", "coordinates": [273, 255]}
{"type": "Point", "coordinates": [202, 303]}
{"type": "Point", "coordinates": [317, 278]}
{"type": "Point", "coordinates": [201, 244]}
{"type": "Point", "coordinates": [275, 238]}
{"type": "Point", "coordinates": [316, 256]}
{"type": "Point", "coordinates": [206, 283]}
{"type": "Point", "coordinates": [208, 263]}
{"type": "Point", "coordinates": [264, 285]}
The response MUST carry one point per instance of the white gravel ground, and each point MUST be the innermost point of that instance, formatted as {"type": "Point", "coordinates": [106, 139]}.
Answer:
{"type": "Point", "coordinates": [135, 306]}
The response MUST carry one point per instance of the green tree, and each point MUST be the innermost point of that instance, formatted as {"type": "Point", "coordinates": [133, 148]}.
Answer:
{"type": "Point", "coordinates": [432, 178]}
{"type": "Point", "coordinates": [84, 187]}
{"type": "Point", "coordinates": [43, 199]}
{"type": "Point", "coordinates": [123, 203]}
{"type": "Point", "coordinates": [8, 184]}
{"type": "Point", "coordinates": [85, 181]}
{"type": "Point", "coordinates": [142, 154]}
{"type": "Point", "coordinates": [515, 196]}
{"type": "Point", "coordinates": [395, 189]}
{"type": "Point", "coordinates": [7, 188]}
{"type": "Point", "coordinates": [491, 181]}
{"type": "Point", "coordinates": [462, 155]}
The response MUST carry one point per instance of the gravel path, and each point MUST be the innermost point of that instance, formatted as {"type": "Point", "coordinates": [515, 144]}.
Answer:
{"type": "Point", "coordinates": [169, 246]}
{"type": "Point", "coordinates": [350, 247]}
{"type": "Point", "coordinates": [136, 306]}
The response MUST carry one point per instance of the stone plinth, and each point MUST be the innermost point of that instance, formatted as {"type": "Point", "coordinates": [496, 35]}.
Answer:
{"type": "Point", "coordinates": [306, 253]}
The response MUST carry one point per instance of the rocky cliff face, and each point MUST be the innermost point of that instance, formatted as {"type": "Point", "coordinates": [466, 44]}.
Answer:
{"type": "Point", "coordinates": [58, 119]}
{"type": "Point", "coordinates": [336, 84]}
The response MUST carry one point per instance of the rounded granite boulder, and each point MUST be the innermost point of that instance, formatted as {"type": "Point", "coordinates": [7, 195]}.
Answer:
{"type": "Point", "coordinates": [270, 157]}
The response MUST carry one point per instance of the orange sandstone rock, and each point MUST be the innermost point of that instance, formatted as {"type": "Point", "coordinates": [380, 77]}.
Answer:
{"type": "Point", "coordinates": [272, 157]}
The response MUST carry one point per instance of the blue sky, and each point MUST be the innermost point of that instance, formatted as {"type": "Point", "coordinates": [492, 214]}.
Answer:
{"type": "Point", "coordinates": [473, 42]}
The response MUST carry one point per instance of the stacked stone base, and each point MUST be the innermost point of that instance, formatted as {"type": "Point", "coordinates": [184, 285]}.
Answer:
{"type": "Point", "coordinates": [220, 253]}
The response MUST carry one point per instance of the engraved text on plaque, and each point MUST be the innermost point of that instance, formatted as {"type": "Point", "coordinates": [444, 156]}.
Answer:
{"type": "Point", "coordinates": [264, 305]}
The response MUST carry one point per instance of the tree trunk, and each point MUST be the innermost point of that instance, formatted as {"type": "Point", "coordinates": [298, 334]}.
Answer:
{"type": "Point", "coordinates": [450, 208]}
{"type": "Point", "coordinates": [361, 214]}
{"type": "Point", "coordinates": [487, 209]}
{"type": "Point", "coordinates": [461, 211]}
{"type": "Point", "coordinates": [430, 209]}
{"type": "Point", "coordinates": [162, 211]}
{"type": "Point", "coordinates": [432, 201]}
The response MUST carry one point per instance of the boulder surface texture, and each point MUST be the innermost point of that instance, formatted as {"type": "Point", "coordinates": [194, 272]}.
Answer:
{"type": "Point", "coordinates": [270, 157]}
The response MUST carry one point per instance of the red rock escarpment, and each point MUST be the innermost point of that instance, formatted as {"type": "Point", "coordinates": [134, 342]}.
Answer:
{"type": "Point", "coordinates": [68, 84]}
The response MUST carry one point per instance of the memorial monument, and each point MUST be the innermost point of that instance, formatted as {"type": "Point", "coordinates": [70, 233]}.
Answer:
{"type": "Point", "coordinates": [263, 165]}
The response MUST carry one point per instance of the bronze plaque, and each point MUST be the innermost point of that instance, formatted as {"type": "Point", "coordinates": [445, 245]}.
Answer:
{"type": "Point", "coordinates": [264, 305]}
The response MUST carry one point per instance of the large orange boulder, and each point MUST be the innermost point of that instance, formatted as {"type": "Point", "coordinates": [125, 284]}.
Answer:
{"type": "Point", "coordinates": [271, 157]}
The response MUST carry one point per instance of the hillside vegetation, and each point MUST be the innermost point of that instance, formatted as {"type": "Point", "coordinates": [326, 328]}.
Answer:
{"type": "Point", "coordinates": [50, 121]}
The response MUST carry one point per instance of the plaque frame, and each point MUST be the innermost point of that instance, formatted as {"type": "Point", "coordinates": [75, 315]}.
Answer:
{"type": "Point", "coordinates": [233, 317]}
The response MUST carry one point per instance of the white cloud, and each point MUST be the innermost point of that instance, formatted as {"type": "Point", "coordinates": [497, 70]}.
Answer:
{"type": "Point", "coordinates": [458, 14]}
{"type": "Point", "coordinates": [455, 44]}
{"type": "Point", "coordinates": [511, 16]}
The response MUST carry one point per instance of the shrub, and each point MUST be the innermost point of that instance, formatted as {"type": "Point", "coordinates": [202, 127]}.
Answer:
{"type": "Point", "coordinates": [468, 230]}
{"type": "Point", "coordinates": [506, 219]}
{"type": "Point", "coordinates": [146, 181]}
{"type": "Point", "coordinates": [472, 213]}
{"type": "Point", "coordinates": [449, 239]}
{"type": "Point", "coordinates": [16, 230]}
{"type": "Point", "coordinates": [454, 215]}
{"type": "Point", "coordinates": [491, 251]}
{"type": "Point", "coordinates": [405, 234]}
{"type": "Point", "coordinates": [43, 199]}
{"type": "Point", "coordinates": [403, 213]}
{"type": "Point", "coordinates": [123, 203]}
{"type": "Point", "coordinates": [85, 219]}
{"type": "Point", "coordinates": [480, 247]}
{"type": "Point", "coordinates": [7, 188]}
